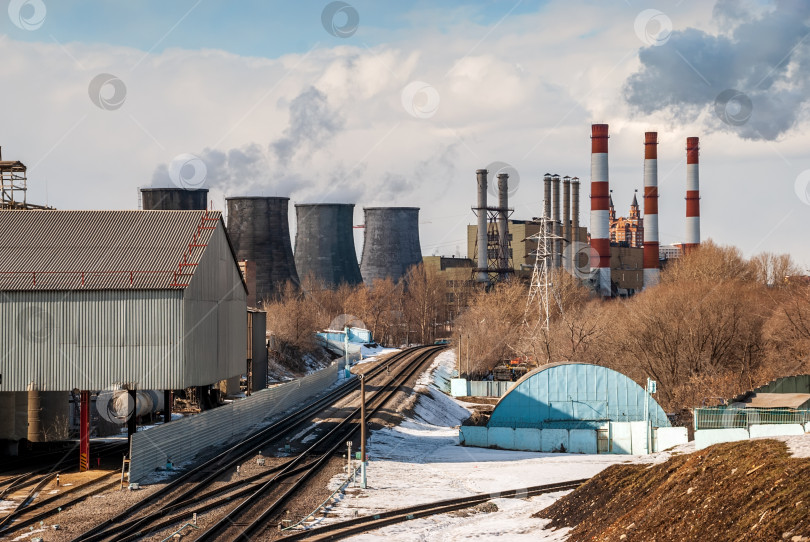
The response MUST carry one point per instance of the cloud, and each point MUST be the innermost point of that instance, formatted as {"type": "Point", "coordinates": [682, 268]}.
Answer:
{"type": "Point", "coordinates": [763, 56]}
{"type": "Point", "coordinates": [312, 124]}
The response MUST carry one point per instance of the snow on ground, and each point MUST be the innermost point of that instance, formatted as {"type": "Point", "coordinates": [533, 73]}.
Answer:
{"type": "Point", "coordinates": [420, 461]}
{"type": "Point", "coordinates": [373, 354]}
{"type": "Point", "coordinates": [799, 445]}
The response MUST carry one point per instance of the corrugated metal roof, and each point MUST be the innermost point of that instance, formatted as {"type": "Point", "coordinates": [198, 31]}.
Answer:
{"type": "Point", "coordinates": [102, 250]}
{"type": "Point", "coordinates": [776, 400]}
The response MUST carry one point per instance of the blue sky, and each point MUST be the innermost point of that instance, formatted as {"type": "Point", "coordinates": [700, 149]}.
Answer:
{"type": "Point", "coordinates": [249, 27]}
{"type": "Point", "coordinates": [405, 110]}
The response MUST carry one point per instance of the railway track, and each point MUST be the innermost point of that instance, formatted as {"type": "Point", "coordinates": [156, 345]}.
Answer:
{"type": "Point", "coordinates": [251, 516]}
{"type": "Point", "coordinates": [342, 529]}
{"type": "Point", "coordinates": [188, 493]}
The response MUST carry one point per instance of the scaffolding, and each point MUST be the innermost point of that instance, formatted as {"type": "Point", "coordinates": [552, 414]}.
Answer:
{"type": "Point", "coordinates": [14, 185]}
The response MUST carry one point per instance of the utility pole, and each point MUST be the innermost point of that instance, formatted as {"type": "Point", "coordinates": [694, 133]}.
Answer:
{"type": "Point", "coordinates": [363, 431]}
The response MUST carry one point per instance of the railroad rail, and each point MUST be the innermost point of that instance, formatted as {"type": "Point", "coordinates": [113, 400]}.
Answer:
{"type": "Point", "coordinates": [188, 489]}
{"type": "Point", "coordinates": [338, 530]}
{"type": "Point", "coordinates": [333, 441]}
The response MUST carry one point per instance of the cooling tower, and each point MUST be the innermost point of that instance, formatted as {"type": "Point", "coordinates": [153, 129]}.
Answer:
{"type": "Point", "coordinates": [390, 242]}
{"type": "Point", "coordinates": [324, 244]}
{"type": "Point", "coordinates": [260, 232]}
{"type": "Point", "coordinates": [174, 199]}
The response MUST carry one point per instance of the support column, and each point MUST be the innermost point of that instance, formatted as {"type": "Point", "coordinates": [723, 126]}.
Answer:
{"type": "Point", "coordinates": [168, 403]}
{"type": "Point", "coordinates": [132, 420]}
{"type": "Point", "coordinates": [84, 431]}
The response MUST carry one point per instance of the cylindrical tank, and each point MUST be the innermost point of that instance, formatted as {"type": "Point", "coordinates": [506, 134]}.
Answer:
{"type": "Point", "coordinates": [390, 242]}
{"type": "Point", "coordinates": [116, 405]}
{"type": "Point", "coordinates": [324, 243]}
{"type": "Point", "coordinates": [260, 232]}
{"type": "Point", "coordinates": [174, 199]}
{"type": "Point", "coordinates": [35, 433]}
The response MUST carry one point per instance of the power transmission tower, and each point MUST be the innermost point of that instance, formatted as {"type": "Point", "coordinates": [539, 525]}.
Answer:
{"type": "Point", "coordinates": [542, 274]}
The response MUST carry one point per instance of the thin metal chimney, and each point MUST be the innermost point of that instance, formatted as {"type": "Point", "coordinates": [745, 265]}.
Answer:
{"type": "Point", "coordinates": [575, 225]}
{"type": "Point", "coordinates": [481, 176]}
{"type": "Point", "coordinates": [566, 223]}
{"type": "Point", "coordinates": [692, 239]}
{"type": "Point", "coordinates": [547, 215]}
{"type": "Point", "coordinates": [600, 205]}
{"type": "Point", "coordinates": [651, 272]}
{"type": "Point", "coordinates": [555, 217]}
{"type": "Point", "coordinates": [503, 223]}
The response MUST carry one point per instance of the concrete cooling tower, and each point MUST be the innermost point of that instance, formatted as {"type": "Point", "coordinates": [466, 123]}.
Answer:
{"type": "Point", "coordinates": [324, 244]}
{"type": "Point", "coordinates": [174, 199]}
{"type": "Point", "coordinates": [260, 232]}
{"type": "Point", "coordinates": [390, 242]}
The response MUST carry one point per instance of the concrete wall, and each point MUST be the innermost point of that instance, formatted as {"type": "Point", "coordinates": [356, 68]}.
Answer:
{"type": "Point", "coordinates": [461, 387]}
{"type": "Point", "coordinates": [582, 441]}
{"type": "Point", "coordinates": [667, 437]}
{"type": "Point", "coordinates": [182, 440]}
{"type": "Point", "coordinates": [707, 437]}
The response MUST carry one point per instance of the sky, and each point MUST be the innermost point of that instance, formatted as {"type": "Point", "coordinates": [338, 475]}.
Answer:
{"type": "Point", "coordinates": [398, 103]}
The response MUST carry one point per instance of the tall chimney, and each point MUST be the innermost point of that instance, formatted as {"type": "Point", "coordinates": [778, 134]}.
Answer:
{"type": "Point", "coordinates": [503, 224]}
{"type": "Point", "coordinates": [692, 239]}
{"type": "Point", "coordinates": [555, 217]}
{"type": "Point", "coordinates": [651, 272]}
{"type": "Point", "coordinates": [547, 215]}
{"type": "Point", "coordinates": [566, 222]}
{"type": "Point", "coordinates": [481, 175]}
{"type": "Point", "coordinates": [574, 224]}
{"type": "Point", "coordinates": [600, 197]}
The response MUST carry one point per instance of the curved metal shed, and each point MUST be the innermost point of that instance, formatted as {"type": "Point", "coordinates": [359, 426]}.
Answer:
{"type": "Point", "coordinates": [574, 396]}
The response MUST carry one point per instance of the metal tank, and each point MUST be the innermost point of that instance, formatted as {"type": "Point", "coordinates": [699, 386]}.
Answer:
{"type": "Point", "coordinates": [324, 243]}
{"type": "Point", "coordinates": [260, 232]}
{"type": "Point", "coordinates": [174, 199]}
{"type": "Point", "coordinates": [390, 242]}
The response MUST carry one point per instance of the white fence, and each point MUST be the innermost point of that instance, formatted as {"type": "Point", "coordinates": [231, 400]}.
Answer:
{"type": "Point", "coordinates": [182, 440]}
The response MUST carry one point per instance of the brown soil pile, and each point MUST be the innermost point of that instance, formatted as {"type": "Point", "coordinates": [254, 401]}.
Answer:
{"type": "Point", "coordinates": [751, 490]}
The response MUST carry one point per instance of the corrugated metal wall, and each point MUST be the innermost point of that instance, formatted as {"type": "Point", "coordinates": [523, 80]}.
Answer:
{"type": "Point", "coordinates": [215, 324]}
{"type": "Point", "coordinates": [183, 439]}
{"type": "Point", "coordinates": [574, 395]}
{"type": "Point", "coordinates": [91, 339]}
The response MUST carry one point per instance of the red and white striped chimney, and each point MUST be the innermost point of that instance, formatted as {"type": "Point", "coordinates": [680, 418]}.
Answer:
{"type": "Point", "coordinates": [692, 239]}
{"type": "Point", "coordinates": [600, 197]}
{"type": "Point", "coordinates": [651, 275]}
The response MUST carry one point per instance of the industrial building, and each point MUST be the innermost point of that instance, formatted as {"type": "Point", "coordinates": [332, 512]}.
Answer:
{"type": "Point", "coordinates": [390, 243]}
{"type": "Point", "coordinates": [324, 244]}
{"type": "Point", "coordinates": [578, 408]}
{"type": "Point", "coordinates": [95, 300]}
{"type": "Point", "coordinates": [260, 232]}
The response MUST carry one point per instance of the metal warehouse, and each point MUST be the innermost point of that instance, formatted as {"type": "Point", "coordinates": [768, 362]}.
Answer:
{"type": "Point", "coordinates": [150, 300]}
{"type": "Point", "coordinates": [575, 407]}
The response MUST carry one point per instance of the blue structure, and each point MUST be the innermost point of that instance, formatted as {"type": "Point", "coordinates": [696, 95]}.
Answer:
{"type": "Point", "coordinates": [574, 407]}
{"type": "Point", "coordinates": [574, 396]}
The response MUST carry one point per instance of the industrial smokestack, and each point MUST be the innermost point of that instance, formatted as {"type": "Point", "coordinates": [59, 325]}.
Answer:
{"type": "Point", "coordinates": [692, 194]}
{"type": "Point", "coordinates": [651, 272]}
{"type": "Point", "coordinates": [555, 218]}
{"type": "Point", "coordinates": [547, 216]}
{"type": "Point", "coordinates": [503, 224]}
{"type": "Point", "coordinates": [260, 231]}
{"type": "Point", "coordinates": [566, 222]}
{"type": "Point", "coordinates": [390, 242]}
{"type": "Point", "coordinates": [481, 176]}
{"type": "Point", "coordinates": [324, 244]}
{"type": "Point", "coordinates": [174, 199]}
{"type": "Point", "coordinates": [574, 225]}
{"type": "Point", "coordinates": [600, 205]}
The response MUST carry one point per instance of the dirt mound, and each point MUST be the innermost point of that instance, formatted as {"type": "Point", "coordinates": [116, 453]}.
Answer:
{"type": "Point", "coordinates": [751, 490]}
